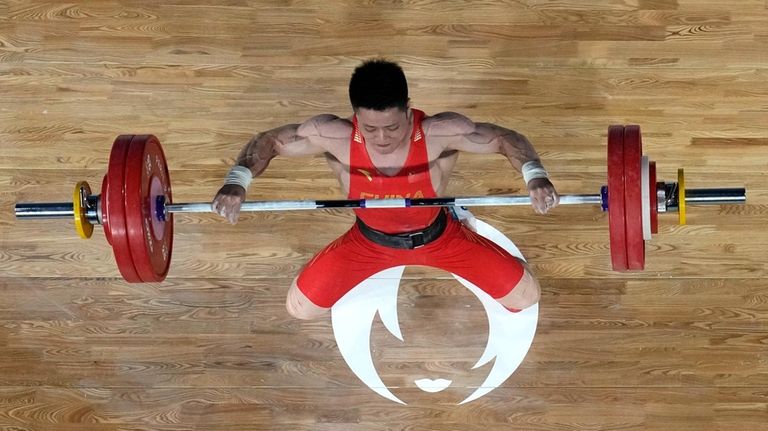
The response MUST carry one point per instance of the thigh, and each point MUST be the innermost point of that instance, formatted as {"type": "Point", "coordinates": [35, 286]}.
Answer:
{"type": "Point", "coordinates": [477, 259]}
{"type": "Point", "coordinates": [341, 266]}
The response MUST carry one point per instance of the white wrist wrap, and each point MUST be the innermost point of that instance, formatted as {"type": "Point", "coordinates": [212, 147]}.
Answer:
{"type": "Point", "coordinates": [239, 175]}
{"type": "Point", "coordinates": [532, 170]}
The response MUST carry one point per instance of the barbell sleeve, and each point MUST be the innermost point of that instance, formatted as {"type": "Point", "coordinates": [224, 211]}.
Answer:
{"type": "Point", "coordinates": [715, 196]}
{"type": "Point", "coordinates": [44, 210]}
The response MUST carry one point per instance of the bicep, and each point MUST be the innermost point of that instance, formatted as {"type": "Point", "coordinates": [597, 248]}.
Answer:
{"type": "Point", "coordinates": [318, 135]}
{"type": "Point", "coordinates": [305, 139]}
{"type": "Point", "coordinates": [485, 138]}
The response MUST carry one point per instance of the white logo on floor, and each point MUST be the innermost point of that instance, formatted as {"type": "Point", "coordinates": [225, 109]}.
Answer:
{"type": "Point", "coordinates": [353, 315]}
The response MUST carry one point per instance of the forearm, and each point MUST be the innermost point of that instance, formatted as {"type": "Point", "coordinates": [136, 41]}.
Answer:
{"type": "Point", "coordinates": [521, 154]}
{"type": "Point", "coordinates": [517, 148]}
{"type": "Point", "coordinates": [258, 152]}
{"type": "Point", "coordinates": [263, 147]}
{"type": "Point", "coordinates": [488, 138]}
{"type": "Point", "coordinates": [252, 162]}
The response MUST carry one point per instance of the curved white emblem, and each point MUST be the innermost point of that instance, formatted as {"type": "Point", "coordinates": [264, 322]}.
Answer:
{"type": "Point", "coordinates": [509, 338]}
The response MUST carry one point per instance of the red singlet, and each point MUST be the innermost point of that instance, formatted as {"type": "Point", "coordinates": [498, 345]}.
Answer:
{"type": "Point", "coordinates": [412, 181]}
{"type": "Point", "coordinates": [352, 258]}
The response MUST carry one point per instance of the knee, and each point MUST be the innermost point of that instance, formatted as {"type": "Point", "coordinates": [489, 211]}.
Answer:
{"type": "Point", "coordinates": [304, 312]}
{"type": "Point", "coordinates": [531, 294]}
{"type": "Point", "coordinates": [525, 294]}
{"type": "Point", "coordinates": [300, 307]}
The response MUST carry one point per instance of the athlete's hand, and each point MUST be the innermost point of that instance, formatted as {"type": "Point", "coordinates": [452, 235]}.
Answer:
{"type": "Point", "coordinates": [543, 195]}
{"type": "Point", "coordinates": [228, 201]}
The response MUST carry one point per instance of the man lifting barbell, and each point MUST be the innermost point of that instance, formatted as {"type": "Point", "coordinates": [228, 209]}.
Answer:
{"type": "Point", "coordinates": [385, 150]}
{"type": "Point", "coordinates": [135, 206]}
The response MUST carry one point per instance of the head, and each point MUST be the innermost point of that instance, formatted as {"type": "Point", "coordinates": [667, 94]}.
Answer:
{"type": "Point", "coordinates": [378, 92]}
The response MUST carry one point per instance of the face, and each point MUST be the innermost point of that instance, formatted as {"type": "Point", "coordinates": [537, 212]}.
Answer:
{"type": "Point", "coordinates": [384, 131]}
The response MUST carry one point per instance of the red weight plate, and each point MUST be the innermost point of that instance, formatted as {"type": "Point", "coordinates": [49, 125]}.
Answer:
{"type": "Point", "coordinates": [654, 198]}
{"type": "Point", "coordinates": [113, 210]}
{"type": "Point", "coordinates": [616, 224]}
{"type": "Point", "coordinates": [146, 178]}
{"type": "Point", "coordinates": [633, 197]}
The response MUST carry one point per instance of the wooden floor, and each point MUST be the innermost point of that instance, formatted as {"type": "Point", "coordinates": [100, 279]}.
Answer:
{"type": "Point", "coordinates": [681, 346]}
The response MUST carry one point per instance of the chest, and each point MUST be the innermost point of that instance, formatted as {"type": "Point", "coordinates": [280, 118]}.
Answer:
{"type": "Point", "coordinates": [388, 165]}
{"type": "Point", "coordinates": [427, 180]}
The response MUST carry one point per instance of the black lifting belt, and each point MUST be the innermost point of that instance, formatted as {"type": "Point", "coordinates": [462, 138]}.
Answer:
{"type": "Point", "coordinates": [407, 240]}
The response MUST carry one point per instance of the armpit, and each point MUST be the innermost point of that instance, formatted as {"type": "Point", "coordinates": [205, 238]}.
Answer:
{"type": "Point", "coordinates": [335, 163]}
{"type": "Point", "coordinates": [448, 154]}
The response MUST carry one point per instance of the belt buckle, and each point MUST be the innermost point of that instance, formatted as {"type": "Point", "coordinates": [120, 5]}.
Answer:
{"type": "Point", "coordinates": [417, 239]}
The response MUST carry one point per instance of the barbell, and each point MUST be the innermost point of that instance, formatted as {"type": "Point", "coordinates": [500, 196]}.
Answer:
{"type": "Point", "coordinates": [136, 209]}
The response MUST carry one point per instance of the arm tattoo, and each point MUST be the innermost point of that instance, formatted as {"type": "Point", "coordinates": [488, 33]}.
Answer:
{"type": "Point", "coordinates": [517, 148]}
{"type": "Point", "coordinates": [257, 154]}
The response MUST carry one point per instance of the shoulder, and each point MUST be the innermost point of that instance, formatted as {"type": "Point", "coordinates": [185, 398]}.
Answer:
{"type": "Point", "coordinates": [447, 124]}
{"type": "Point", "coordinates": [326, 126]}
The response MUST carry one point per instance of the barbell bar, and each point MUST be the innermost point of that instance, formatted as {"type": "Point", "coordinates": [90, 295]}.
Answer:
{"type": "Point", "coordinates": [136, 208]}
{"type": "Point", "coordinates": [54, 210]}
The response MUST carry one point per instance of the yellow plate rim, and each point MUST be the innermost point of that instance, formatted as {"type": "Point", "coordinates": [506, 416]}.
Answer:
{"type": "Point", "coordinates": [681, 196]}
{"type": "Point", "coordinates": [83, 227]}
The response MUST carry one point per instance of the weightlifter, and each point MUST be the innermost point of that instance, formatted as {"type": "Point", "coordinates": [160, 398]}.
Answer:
{"type": "Point", "coordinates": [387, 149]}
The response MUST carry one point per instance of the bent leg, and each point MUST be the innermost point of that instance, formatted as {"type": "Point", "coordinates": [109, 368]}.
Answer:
{"type": "Point", "coordinates": [503, 276]}
{"type": "Point", "coordinates": [333, 272]}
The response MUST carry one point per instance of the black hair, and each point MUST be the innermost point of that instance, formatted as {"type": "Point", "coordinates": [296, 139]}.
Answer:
{"type": "Point", "coordinates": [378, 84]}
